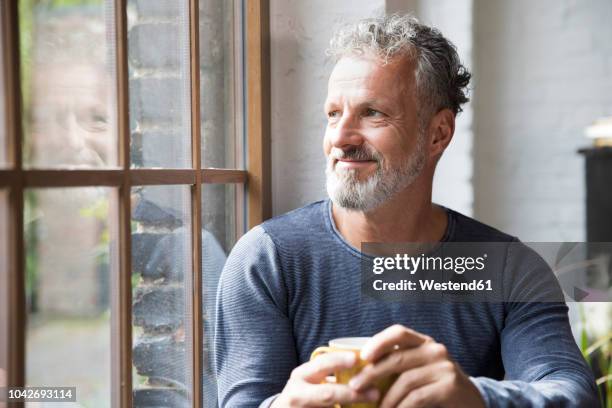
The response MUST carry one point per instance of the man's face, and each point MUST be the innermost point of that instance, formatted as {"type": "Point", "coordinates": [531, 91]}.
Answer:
{"type": "Point", "coordinates": [373, 142]}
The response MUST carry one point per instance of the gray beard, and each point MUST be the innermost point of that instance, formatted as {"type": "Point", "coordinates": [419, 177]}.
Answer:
{"type": "Point", "coordinates": [346, 191]}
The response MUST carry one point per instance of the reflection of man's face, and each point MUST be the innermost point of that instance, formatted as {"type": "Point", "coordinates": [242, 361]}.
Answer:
{"type": "Point", "coordinates": [70, 91]}
{"type": "Point", "coordinates": [373, 142]}
{"type": "Point", "coordinates": [72, 114]}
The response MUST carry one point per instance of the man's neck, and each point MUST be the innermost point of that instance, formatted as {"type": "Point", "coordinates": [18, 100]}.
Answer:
{"type": "Point", "coordinates": [401, 219]}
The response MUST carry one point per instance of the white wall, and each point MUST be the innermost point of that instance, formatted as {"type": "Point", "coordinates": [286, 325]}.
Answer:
{"type": "Point", "coordinates": [453, 179]}
{"type": "Point", "coordinates": [544, 72]}
{"type": "Point", "coordinates": [300, 32]}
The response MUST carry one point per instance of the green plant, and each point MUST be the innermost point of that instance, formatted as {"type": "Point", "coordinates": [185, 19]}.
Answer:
{"type": "Point", "coordinates": [98, 210]}
{"type": "Point", "coordinates": [31, 216]}
{"type": "Point", "coordinates": [599, 356]}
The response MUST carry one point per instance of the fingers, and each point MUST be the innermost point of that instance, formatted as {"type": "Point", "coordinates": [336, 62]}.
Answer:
{"type": "Point", "coordinates": [307, 386]}
{"type": "Point", "coordinates": [430, 395]}
{"type": "Point", "coordinates": [390, 339]}
{"type": "Point", "coordinates": [323, 365]}
{"type": "Point", "coordinates": [400, 361]}
{"type": "Point", "coordinates": [409, 381]}
{"type": "Point", "coordinates": [326, 395]}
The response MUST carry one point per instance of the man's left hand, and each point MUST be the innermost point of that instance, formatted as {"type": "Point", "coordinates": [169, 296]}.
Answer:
{"type": "Point", "coordinates": [427, 376]}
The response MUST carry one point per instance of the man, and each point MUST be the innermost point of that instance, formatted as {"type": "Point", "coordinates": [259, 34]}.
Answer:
{"type": "Point", "coordinates": [293, 283]}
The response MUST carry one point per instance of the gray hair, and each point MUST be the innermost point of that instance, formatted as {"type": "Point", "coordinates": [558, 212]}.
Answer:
{"type": "Point", "coordinates": [441, 79]}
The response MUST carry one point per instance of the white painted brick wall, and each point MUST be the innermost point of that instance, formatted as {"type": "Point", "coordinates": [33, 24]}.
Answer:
{"type": "Point", "coordinates": [453, 179]}
{"type": "Point", "coordinates": [300, 33]}
{"type": "Point", "coordinates": [544, 73]}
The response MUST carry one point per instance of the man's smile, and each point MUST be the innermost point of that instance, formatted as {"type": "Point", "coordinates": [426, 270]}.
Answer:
{"type": "Point", "coordinates": [353, 164]}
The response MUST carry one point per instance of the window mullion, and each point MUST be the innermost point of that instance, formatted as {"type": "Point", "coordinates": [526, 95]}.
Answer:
{"type": "Point", "coordinates": [195, 283]}
{"type": "Point", "coordinates": [15, 340]}
{"type": "Point", "coordinates": [121, 291]}
{"type": "Point", "coordinates": [257, 51]}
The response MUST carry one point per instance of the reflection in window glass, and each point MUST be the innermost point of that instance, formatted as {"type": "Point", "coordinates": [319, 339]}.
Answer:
{"type": "Point", "coordinates": [67, 290]}
{"type": "Point", "coordinates": [158, 53]}
{"type": "Point", "coordinates": [221, 88]}
{"type": "Point", "coordinates": [219, 212]}
{"type": "Point", "coordinates": [161, 258]}
{"type": "Point", "coordinates": [219, 221]}
{"type": "Point", "coordinates": [67, 76]}
{"type": "Point", "coordinates": [4, 330]}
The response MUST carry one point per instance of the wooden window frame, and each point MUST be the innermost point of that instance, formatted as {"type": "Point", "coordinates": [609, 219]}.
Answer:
{"type": "Point", "coordinates": [255, 178]}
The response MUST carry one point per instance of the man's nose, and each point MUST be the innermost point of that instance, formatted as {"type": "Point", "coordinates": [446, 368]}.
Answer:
{"type": "Point", "coordinates": [346, 132]}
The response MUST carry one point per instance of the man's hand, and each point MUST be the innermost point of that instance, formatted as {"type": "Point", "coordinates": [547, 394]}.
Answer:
{"type": "Point", "coordinates": [305, 388]}
{"type": "Point", "coordinates": [427, 377]}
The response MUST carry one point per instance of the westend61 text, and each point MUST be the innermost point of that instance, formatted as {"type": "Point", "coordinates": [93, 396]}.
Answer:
{"type": "Point", "coordinates": [429, 285]}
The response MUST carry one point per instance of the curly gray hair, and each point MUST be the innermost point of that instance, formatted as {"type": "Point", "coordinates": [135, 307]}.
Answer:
{"type": "Point", "coordinates": [441, 79]}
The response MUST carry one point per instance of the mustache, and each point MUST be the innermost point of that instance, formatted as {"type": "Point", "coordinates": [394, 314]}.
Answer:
{"type": "Point", "coordinates": [355, 153]}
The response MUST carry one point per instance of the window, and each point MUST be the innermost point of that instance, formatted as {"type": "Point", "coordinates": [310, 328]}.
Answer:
{"type": "Point", "coordinates": [133, 154]}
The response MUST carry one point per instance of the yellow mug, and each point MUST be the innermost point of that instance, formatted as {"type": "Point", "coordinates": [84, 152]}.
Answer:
{"type": "Point", "coordinates": [354, 344]}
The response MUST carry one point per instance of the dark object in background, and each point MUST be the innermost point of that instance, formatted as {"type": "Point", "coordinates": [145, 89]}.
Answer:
{"type": "Point", "coordinates": [598, 175]}
{"type": "Point", "coordinates": [598, 193]}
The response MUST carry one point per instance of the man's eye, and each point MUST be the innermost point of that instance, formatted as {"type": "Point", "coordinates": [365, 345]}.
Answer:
{"type": "Point", "coordinates": [333, 114]}
{"type": "Point", "coordinates": [372, 112]}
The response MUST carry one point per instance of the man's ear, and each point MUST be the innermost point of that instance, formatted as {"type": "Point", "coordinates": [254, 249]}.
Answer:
{"type": "Point", "coordinates": [442, 128]}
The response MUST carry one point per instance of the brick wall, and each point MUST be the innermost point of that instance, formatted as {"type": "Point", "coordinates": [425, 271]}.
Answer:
{"type": "Point", "coordinates": [160, 131]}
{"type": "Point", "coordinates": [543, 75]}
{"type": "Point", "coordinates": [159, 124]}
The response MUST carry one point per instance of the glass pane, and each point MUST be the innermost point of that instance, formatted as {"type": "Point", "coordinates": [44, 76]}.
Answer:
{"type": "Point", "coordinates": [68, 83]}
{"type": "Point", "coordinates": [219, 212]}
{"type": "Point", "coordinates": [158, 51]}
{"type": "Point", "coordinates": [221, 85]}
{"type": "Point", "coordinates": [67, 290]}
{"type": "Point", "coordinates": [161, 258]}
{"type": "Point", "coordinates": [4, 329]}
{"type": "Point", "coordinates": [219, 221]}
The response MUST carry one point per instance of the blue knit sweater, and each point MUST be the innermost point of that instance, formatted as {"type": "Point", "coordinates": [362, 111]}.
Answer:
{"type": "Point", "coordinates": [293, 283]}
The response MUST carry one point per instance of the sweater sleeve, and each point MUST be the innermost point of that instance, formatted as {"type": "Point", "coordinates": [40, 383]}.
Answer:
{"type": "Point", "coordinates": [254, 344]}
{"type": "Point", "coordinates": [544, 367]}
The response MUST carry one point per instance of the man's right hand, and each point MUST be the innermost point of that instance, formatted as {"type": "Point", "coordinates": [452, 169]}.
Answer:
{"type": "Point", "coordinates": [305, 387]}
